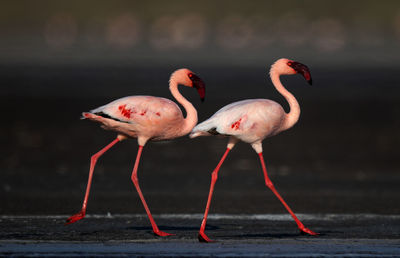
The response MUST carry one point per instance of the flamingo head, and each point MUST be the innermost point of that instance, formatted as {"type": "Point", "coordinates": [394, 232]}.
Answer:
{"type": "Point", "coordinates": [287, 66]}
{"type": "Point", "coordinates": [188, 78]}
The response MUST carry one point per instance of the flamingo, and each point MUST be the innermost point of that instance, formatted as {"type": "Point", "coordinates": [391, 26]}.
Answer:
{"type": "Point", "coordinates": [252, 121]}
{"type": "Point", "coordinates": [145, 118]}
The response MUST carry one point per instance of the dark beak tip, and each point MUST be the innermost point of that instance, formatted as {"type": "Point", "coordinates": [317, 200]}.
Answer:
{"type": "Point", "coordinates": [201, 90]}
{"type": "Point", "coordinates": [199, 85]}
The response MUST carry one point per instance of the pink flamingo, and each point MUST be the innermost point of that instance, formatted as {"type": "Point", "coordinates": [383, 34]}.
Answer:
{"type": "Point", "coordinates": [145, 118]}
{"type": "Point", "coordinates": [252, 121]}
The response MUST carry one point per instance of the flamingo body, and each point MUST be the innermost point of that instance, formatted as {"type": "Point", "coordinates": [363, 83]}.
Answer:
{"type": "Point", "coordinates": [252, 121]}
{"type": "Point", "coordinates": [145, 118]}
{"type": "Point", "coordinates": [150, 117]}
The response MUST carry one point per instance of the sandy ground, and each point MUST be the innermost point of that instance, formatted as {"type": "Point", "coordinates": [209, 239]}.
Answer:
{"type": "Point", "coordinates": [236, 235]}
{"type": "Point", "coordinates": [274, 248]}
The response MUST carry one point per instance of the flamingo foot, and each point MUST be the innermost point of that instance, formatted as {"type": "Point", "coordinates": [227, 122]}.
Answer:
{"type": "Point", "coordinates": [204, 238]}
{"type": "Point", "coordinates": [162, 233]}
{"type": "Point", "coordinates": [75, 218]}
{"type": "Point", "coordinates": [304, 231]}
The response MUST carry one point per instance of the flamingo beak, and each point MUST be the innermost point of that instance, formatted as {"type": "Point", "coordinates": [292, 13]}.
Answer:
{"type": "Point", "coordinates": [199, 85]}
{"type": "Point", "coordinates": [302, 69]}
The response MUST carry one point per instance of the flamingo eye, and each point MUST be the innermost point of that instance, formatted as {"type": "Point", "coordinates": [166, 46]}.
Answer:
{"type": "Point", "coordinates": [190, 75]}
{"type": "Point", "coordinates": [289, 63]}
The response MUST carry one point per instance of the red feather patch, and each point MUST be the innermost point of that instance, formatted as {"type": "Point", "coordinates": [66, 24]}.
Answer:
{"type": "Point", "coordinates": [125, 112]}
{"type": "Point", "coordinates": [236, 124]}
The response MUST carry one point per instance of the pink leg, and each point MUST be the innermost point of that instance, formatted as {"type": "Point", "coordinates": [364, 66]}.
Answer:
{"type": "Point", "coordinates": [202, 236]}
{"type": "Point", "coordinates": [270, 185]}
{"type": "Point", "coordinates": [136, 183]}
{"type": "Point", "coordinates": [93, 161]}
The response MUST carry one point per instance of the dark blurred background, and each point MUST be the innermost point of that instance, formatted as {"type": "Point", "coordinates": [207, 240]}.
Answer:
{"type": "Point", "coordinates": [59, 58]}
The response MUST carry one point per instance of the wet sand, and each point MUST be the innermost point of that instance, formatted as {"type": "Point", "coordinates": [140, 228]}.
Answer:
{"type": "Point", "coordinates": [366, 235]}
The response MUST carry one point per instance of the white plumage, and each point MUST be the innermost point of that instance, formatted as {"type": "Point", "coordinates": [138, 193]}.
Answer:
{"type": "Point", "coordinates": [249, 120]}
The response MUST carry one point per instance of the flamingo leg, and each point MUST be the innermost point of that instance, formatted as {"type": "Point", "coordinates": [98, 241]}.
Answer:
{"type": "Point", "coordinates": [93, 160]}
{"type": "Point", "coordinates": [271, 186]}
{"type": "Point", "coordinates": [202, 236]}
{"type": "Point", "coordinates": [136, 183]}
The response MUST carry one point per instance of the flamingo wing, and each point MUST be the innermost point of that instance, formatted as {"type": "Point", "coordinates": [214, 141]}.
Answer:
{"type": "Point", "coordinates": [137, 109]}
{"type": "Point", "coordinates": [246, 117]}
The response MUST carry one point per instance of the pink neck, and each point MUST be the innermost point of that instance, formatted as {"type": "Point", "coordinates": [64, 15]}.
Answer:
{"type": "Point", "coordinates": [191, 114]}
{"type": "Point", "coordinates": [293, 116]}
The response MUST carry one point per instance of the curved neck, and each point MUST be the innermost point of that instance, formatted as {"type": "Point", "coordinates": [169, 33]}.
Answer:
{"type": "Point", "coordinates": [191, 114]}
{"type": "Point", "coordinates": [293, 116]}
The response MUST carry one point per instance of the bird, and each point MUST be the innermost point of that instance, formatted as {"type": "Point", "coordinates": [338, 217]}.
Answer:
{"type": "Point", "coordinates": [252, 121]}
{"type": "Point", "coordinates": [146, 118]}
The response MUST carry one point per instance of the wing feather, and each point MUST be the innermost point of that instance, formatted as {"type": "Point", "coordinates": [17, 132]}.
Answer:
{"type": "Point", "coordinates": [134, 109]}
